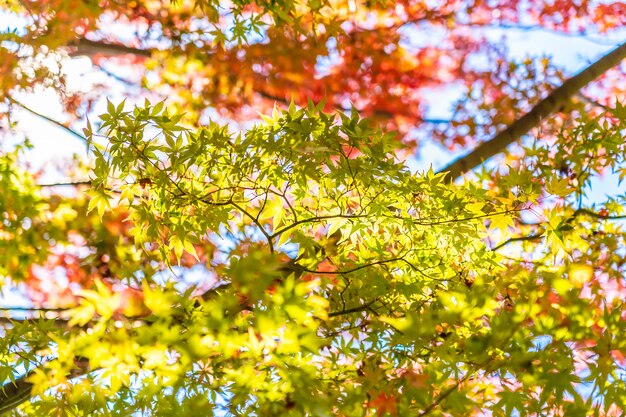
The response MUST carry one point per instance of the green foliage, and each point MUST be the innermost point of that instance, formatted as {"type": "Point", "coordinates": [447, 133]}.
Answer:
{"type": "Point", "coordinates": [344, 284]}
{"type": "Point", "coordinates": [297, 267]}
{"type": "Point", "coordinates": [21, 209]}
{"type": "Point", "coordinates": [387, 270]}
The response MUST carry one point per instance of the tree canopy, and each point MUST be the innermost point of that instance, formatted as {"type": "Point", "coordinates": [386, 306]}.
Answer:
{"type": "Point", "coordinates": [245, 236]}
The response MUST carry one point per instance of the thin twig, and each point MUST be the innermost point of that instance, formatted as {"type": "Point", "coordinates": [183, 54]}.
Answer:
{"type": "Point", "coordinates": [48, 119]}
{"type": "Point", "coordinates": [518, 239]}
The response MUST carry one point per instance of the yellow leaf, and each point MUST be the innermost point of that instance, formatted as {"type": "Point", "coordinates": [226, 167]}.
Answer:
{"type": "Point", "coordinates": [177, 246]}
{"type": "Point", "coordinates": [156, 300]}
{"type": "Point", "coordinates": [579, 274]}
{"type": "Point", "coordinates": [561, 286]}
{"type": "Point", "coordinates": [127, 194]}
{"type": "Point", "coordinates": [334, 225]}
{"type": "Point", "coordinates": [320, 306]}
{"type": "Point", "coordinates": [558, 187]}
{"type": "Point", "coordinates": [103, 300]}
{"type": "Point", "coordinates": [502, 222]}
{"type": "Point", "coordinates": [401, 323]}
{"type": "Point", "coordinates": [191, 249]}
{"type": "Point", "coordinates": [475, 208]}
{"type": "Point", "coordinates": [273, 209]}
{"type": "Point", "coordinates": [63, 214]}
{"type": "Point", "coordinates": [100, 201]}
{"type": "Point", "coordinates": [154, 357]}
{"type": "Point", "coordinates": [82, 314]}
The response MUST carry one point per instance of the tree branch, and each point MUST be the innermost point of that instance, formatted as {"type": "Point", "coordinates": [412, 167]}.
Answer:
{"type": "Point", "coordinates": [14, 393]}
{"type": "Point", "coordinates": [46, 118]}
{"type": "Point", "coordinates": [85, 47]}
{"type": "Point", "coordinates": [536, 236]}
{"type": "Point", "coordinates": [443, 395]}
{"type": "Point", "coordinates": [33, 309]}
{"type": "Point", "coordinates": [540, 235]}
{"type": "Point", "coordinates": [347, 311]}
{"type": "Point", "coordinates": [65, 184]}
{"type": "Point", "coordinates": [298, 268]}
{"type": "Point", "coordinates": [590, 213]}
{"type": "Point", "coordinates": [552, 103]}
{"type": "Point", "coordinates": [18, 391]}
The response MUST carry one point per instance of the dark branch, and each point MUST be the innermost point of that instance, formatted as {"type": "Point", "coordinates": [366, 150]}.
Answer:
{"type": "Point", "coordinates": [18, 391]}
{"type": "Point", "coordinates": [65, 184]}
{"type": "Point", "coordinates": [445, 394]}
{"type": "Point", "coordinates": [590, 213]}
{"type": "Point", "coordinates": [347, 311]}
{"type": "Point", "coordinates": [298, 268]}
{"type": "Point", "coordinates": [85, 47]}
{"type": "Point", "coordinates": [577, 213]}
{"type": "Point", "coordinates": [14, 393]}
{"type": "Point", "coordinates": [518, 239]}
{"type": "Point", "coordinates": [33, 309]}
{"type": "Point", "coordinates": [546, 107]}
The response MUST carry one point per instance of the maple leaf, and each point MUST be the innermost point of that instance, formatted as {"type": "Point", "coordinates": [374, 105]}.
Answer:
{"type": "Point", "coordinates": [385, 404]}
